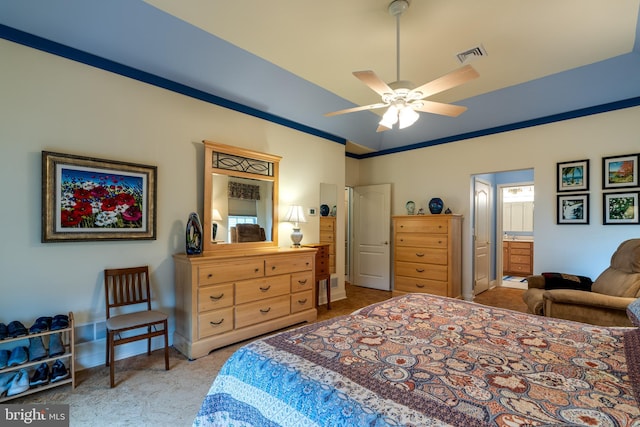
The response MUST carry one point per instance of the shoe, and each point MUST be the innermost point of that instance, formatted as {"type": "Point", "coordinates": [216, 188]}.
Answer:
{"type": "Point", "coordinates": [19, 383]}
{"type": "Point", "coordinates": [36, 349]}
{"type": "Point", "coordinates": [16, 329]}
{"type": "Point", "coordinates": [3, 331]}
{"type": "Point", "coordinates": [41, 324]}
{"type": "Point", "coordinates": [19, 355]}
{"type": "Point", "coordinates": [4, 358]}
{"type": "Point", "coordinates": [56, 348]}
{"type": "Point", "coordinates": [40, 376]}
{"type": "Point", "coordinates": [59, 321]}
{"type": "Point", "coordinates": [58, 371]}
{"type": "Point", "coordinates": [5, 381]}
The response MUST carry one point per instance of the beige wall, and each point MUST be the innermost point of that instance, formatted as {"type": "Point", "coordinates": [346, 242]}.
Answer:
{"type": "Point", "coordinates": [51, 103]}
{"type": "Point", "coordinates": [446, 170]}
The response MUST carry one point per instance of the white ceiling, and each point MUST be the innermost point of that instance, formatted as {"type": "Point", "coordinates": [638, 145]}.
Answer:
{"type": "Point", "coordinates": [545, 57]}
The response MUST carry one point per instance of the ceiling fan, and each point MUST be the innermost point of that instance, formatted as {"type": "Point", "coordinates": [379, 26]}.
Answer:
{"type": "Point", "coordinates": [401, 98]}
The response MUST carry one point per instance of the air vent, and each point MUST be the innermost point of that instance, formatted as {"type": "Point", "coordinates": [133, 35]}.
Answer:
{"type": "Point", "coordinates": [471, 54]}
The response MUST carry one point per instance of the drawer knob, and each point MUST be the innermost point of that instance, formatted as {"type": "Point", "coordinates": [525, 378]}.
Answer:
{"type": "Point", "coordinates": [273, 267]}
{"type": "Point", "coordinates": [419, 254]}
{"type": "Point", "coordinates": [418, 285]}
{"type": "Point", "coordinates": [401, 226]}
{"type": "Point", "coordinates": [217, 323]}
{"type": "Point", "coordinates": [209, 276]}
{"type": "Point", "coordinates": [215, 298]}
{"type": "Point", "coordinates": [265, 289]}
{"type": "Point", "coordinates": [302, 301]}
{"type": "Point", "coordinates": [302, 282]}
{"type": "Point", "coordinates": [265, 311]}
{"type": "Point", "coordinates": [420, 270]}
{"type": "Point", "coordinates": [256, 270]}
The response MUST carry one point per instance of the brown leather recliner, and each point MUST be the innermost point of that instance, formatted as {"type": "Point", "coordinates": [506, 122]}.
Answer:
{"type": "Point", "coordinates": [605, 305]}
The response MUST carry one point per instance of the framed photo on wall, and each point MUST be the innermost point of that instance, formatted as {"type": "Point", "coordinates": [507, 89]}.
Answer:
{"type": "Point", "coordinates": [620, 171]}
{"type": "Point", "coordinates": [573, 176]}
{"type": "Point", "coordinates": [85, 198]}
{"type": "Point", "coordinates": [573, 209]}
{"type": "Point", "coordinates": [620, 208]}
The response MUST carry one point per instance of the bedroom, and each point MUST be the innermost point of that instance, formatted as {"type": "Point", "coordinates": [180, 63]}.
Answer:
{"type": "Point", "coordinates": [49, 102]}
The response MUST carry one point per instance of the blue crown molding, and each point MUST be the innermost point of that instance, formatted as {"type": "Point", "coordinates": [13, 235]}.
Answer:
{"type": "Point", "coordinates": [77, 55]}
{"type": "Point", "coordinates": [588, 111]}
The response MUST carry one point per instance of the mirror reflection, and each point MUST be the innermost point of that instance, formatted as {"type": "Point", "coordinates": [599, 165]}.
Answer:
{"type": "Point", "coordinates": [245, 206]}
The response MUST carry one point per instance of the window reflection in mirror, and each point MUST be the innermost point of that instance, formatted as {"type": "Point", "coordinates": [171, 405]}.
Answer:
{"type": "Point", "coordinates": [241, 201]}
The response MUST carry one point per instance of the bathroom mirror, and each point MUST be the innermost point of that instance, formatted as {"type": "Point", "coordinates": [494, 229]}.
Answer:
{"type": "Point", "coordinates": [240, 188]}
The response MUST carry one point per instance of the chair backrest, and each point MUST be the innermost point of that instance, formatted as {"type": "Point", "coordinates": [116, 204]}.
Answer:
{"type": "Point", "coordinates": [622, 278]}
{"type": "Point", "coordinates": [126, 286]}
{"type": "Point", "coordinates": [247, 233]}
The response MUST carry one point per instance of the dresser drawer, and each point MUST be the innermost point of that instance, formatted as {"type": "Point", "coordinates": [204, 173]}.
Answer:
{"type": "Point", "coordinates": [259, 289]}
{"type": "Point", "coordinates": [301, 281]}
{"type": "Point", "coordinates": [215, 297]}
{"type": "Point", "coordinates": [421, 240]}
{"type": "Point", "coordinates": [326, 236]}
{"type": "Point", "coordinates": [524, 269]}
{"type": "Point", "coordinates": [421, 271]}
{"type": "Point", "coordinates": [215, 322]}
{"type": "Point", "coordinates": [410, 284]}
{"type": "Point", "coordinates": [327, 224]}
{"type": "Point", "coordinates": [227, 271]}
{"type": "Point", "coordinates": [433, 226]}
{"type": "Point", "coordinates": [261, 311]}
{"type": "Point", "coordinates": [290, 264]}
{"type": "Point", "coordinates": [520, 245]}
{"type": "Point", "coordinates": [426, 255]}
{"type": "Point", "coordinates": [302, 301]}
{"type": "Point", "coordinates": [522, 251]}
{"type": "Point", "coordinates": [520, 259]}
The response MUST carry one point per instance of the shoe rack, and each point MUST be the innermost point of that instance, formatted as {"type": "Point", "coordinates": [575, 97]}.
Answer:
{"type": "Point", "coordinates": [68, 358]}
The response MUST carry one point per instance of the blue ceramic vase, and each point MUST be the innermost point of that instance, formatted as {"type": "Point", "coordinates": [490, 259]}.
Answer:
{"type": "Point", "coordinates": [435, 205]}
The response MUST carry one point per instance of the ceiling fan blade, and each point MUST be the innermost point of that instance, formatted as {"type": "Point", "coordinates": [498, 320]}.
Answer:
{"type": "Point", "coordinates": [382, 128]}
{"type": "Point", "coordinates": [440, 108]}
{"type": "Point", "coordinates": [354, 109]}
{"type": "Point", "coordinates": [370, 78]}
{"type": "Point", "coordinates": [448, 81]}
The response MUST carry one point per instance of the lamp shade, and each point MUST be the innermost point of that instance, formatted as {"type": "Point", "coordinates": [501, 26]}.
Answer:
{"type": "Point", "coordinates": [215, 215]}
{"type": "Point", "coordinates": [295, 214]}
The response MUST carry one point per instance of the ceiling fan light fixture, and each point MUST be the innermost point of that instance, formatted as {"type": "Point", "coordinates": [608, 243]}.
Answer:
{"type": "Point", "coordinates": [390, 117]}
{"type": "Point", "coordinates": [407, 116]}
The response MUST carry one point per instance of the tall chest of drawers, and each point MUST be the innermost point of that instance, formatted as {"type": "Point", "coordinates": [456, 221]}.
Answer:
{"type": "Point", "coordinates": [225, 298]}
{"type": "Point", "coordinates": [328, 235]}
{"type": "Point", "coordinates": [428, 254]}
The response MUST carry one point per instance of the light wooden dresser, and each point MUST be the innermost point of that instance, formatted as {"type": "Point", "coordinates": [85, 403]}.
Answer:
{"type": "Point", "coordinates": [428, 254]}
{"type": "Point", "coordinates": [328, 235]}
{"type": "Point", "coordinates": [223, 298]}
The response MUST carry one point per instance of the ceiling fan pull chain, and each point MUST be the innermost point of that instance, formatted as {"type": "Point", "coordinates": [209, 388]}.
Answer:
{"type": "Point", "coordinates": [398, 47]}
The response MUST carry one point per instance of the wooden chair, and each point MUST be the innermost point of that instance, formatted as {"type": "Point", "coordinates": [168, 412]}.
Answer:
{"type": "Point", "coordinates": [130, 287]}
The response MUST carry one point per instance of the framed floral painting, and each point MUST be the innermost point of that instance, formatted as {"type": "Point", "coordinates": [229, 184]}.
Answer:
{"type": "Point", "coordinates": [85, 198]}
{"type": "Point", "coordinates": [620, 208]}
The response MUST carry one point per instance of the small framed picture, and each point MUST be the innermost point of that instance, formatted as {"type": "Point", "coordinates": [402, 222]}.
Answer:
{"type": "Point", "coordinates": [573, 209]}
{"type": "Point", "coordinates": [620, 208]}
{"type": "Point", "coordinates": [620, 171]}
{"type": "Point", "coordinates": [573, 176]}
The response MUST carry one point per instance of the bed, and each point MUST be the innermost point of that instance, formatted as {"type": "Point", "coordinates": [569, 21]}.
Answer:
{"type": "Point", "coordinates": [423, 360]}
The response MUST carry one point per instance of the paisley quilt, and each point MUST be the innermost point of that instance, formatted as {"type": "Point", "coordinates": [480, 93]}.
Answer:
{"type": "Point", "coordinates": [423, 360]}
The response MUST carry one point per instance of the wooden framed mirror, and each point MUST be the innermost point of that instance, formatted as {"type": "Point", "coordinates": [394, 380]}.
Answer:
{"type": "Point", "coordinates": [240, 198]}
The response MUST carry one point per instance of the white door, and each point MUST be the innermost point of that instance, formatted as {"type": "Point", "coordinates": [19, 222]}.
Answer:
{"type": "Point", "coordinates": [481, 237]}
{"type": "Point", "coordinates": [371, 236]}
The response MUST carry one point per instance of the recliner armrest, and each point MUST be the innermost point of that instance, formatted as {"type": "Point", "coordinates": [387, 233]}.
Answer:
{"type": "Point", "coordinates": [593, 299]}
{"type": "Point", "coordinates": [535, 281]}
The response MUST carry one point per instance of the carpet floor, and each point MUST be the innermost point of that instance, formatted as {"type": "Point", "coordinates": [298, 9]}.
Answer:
{"type": "Point", "coordinates": [147, 395]}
